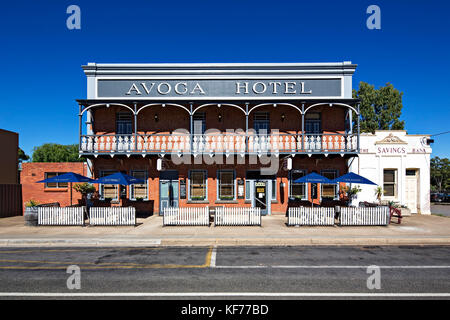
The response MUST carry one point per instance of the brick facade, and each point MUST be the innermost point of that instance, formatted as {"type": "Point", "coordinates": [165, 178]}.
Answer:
{"type": "Point", "coordinates": [35, 171]}
{"type": "Point", "coordinates": [148, 164]}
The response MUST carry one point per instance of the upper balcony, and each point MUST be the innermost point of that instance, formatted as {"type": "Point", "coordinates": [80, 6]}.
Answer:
{"type": "Point", "coordinates": [118, 128]}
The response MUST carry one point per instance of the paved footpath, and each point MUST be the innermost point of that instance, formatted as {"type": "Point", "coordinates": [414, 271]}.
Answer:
{"type": "Point", "coordinates": [414, 230]}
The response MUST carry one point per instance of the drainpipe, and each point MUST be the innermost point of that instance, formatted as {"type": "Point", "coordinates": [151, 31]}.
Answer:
{"type": "Point", "coordinates": [135, 127]}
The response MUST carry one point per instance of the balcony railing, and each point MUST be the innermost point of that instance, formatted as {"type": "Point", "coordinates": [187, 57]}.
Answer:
{"type": "Point", "coordinates": [218, 143]}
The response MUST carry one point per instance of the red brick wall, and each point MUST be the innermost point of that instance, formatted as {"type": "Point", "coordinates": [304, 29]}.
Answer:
{"type": "Point", "coordinates": [35, 171]}
{"type": "Point", "coordinates": [171, 118]}
{"type": "Point", "coordinates": [316, 163]}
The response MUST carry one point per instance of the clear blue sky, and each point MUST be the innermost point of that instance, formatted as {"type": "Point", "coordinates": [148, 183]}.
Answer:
{"type": "Point", "coordinates": [40, 58]}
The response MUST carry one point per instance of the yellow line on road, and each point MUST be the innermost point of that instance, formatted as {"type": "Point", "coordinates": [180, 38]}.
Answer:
{"type": "Point", "coordinates": [76, 250]}
{"type": "Point", "coordinates": [110, 265]}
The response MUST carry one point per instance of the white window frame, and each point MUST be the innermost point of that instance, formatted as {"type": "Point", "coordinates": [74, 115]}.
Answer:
{"type": "Point", "coordinates": [218, 185]}
{"type": "Point", "coordinates": [104, 173]}
{"type": "Point", "coordinates": [57, 183]}
{"type": "Point", "coordinates": [395, 183]}
{"type": "Point", "coordinates": [132, 197]}
{"type": "Point", "coordinates": [205, 182]}
{"type": "Point", "coordinates": [291, 184]}
{"type": "Point", "coordinates": [336, 194]}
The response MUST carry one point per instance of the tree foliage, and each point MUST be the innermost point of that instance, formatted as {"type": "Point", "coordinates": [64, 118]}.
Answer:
{"type": "Point", "coordinates": [380, 108]}
{"type": "Point", "coordinates": [52, 152]}
{"type": "Point", "coordinates": [23, 156]}
{"type": "Point", "coordinates": [440, 174]}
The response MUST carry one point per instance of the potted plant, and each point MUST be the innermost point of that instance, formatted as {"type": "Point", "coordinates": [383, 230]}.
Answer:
{"type": "Point", "coordinates": [405, 210]}
{"type": "Point", "coordinates": [227, 198]}
{"type": "Point", "coordinates": [378, 193]}
{"type": "Point", "coordinates": [85, 189]}
{"type": "Point", "coordinates": [140, 199]}
{"type": "Point", "coordinates": [351, 192]}
{"type": "Point", "coordinates": [31, 213]}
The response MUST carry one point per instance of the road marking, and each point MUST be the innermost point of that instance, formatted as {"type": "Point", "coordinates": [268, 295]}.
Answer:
{"type": "Point", "coordinates": [76, 250]}
{"type": "Point", "coordinates": [105, 265]}
{"type": "Point", "coordinates": [223, 294]}
{"type": "Point", "coordinates": [213, 257]}
{"type": "Point", "coordinates": [332, 267]}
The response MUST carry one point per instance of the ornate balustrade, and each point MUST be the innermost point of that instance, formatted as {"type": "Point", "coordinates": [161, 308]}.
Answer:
{"type": "Point", "coordinates": [218, 143]}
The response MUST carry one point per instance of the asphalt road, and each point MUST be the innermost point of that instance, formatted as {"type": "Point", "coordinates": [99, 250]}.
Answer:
{"type": "Point", "coordinates": [230, 272]}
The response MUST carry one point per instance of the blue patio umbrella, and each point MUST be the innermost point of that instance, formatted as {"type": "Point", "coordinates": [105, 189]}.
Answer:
{"type": "Point", "coordinates": [67, 177]}
{"type": "Point", "coordinates": [119, 178]}
{"type": "Point", "coordinates": [312, 178]}
{"type": "Point", "coordinates": [353, 178]}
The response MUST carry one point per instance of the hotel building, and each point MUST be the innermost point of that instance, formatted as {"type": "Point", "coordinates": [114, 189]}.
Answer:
{"type": "Point", "coordinates": [223, 134]}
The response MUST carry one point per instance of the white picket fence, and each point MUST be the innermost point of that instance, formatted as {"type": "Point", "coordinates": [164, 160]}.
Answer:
{"type": "Point", "coordinates": [305, 216]}
{"type": "Point", "coordinates": [376, 216]}
{"type": "Point", "coordinates": [237, 216]}
{"type": "Point", "coordinates": [112, 216]}
{"type": "Point", "coordinates": [186, 216]}
{"type": "Point", "coordinates": [52, 216]}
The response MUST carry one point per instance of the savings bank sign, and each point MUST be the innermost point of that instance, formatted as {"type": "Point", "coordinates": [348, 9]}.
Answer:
{"type": "Point", "coordinates": [218, 88]}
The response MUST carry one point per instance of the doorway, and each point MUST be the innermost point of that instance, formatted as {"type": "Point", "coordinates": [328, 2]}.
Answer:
{"type": "Point", "coordinates": [261, 196]}
{"type": "Point", "coordinates": [168, 190]}
{"type": "Point", "coordinates": [411, 189]}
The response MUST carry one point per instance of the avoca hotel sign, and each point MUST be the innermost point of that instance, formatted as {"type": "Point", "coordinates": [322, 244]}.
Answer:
{"type": "Point", "coordinates": [218, 88]}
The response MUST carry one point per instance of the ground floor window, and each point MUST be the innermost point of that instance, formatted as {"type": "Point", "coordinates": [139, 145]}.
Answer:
{"type": "Point", "coordinates": [108, 191]}
{"type": "Point", "coordinates": [330, 190]}
{"type": "Point", "coordinates": [139, 191]}
{"type": "Point", "coordinates": [297, 190]}
{"type": "Point", "coordinates": [197, 185]}
{"type": "Point", "coordinates": [390, 182]}
{"type": "Point", "coordinates": [55, 184]}
{"type": "Point", "coordinates": [226, 185]}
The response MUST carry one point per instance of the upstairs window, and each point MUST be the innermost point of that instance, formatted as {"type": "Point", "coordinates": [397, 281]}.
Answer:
{"type": "Point", "coordinates": [199, 119]}
{"type": "Point", "coordinates": [124, 123]}
{"type": "Point", "coordinates": [313, 123]}
{"type": "Point", "coordinates": [261, 122]}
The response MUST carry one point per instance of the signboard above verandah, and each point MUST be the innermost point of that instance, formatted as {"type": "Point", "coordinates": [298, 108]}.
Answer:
{"type": "Point", "coordinates": [219, 88]}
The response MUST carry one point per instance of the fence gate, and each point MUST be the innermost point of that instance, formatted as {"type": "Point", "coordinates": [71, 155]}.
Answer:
{"type": "Point", "coordinates": [112, 216]}
{"type": "Point", "coordinates": [237, 216]}
{"type": "Point", "coordinates": [186, 216]}
{"type": "Point", "coordinates": [304, 216]}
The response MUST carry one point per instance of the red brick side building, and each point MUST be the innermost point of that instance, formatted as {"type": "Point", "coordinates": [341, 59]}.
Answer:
{"type": "Point", "coordinates": [49, 193]}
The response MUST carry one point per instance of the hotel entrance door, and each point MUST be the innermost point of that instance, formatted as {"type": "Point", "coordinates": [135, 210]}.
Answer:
{"type": "Point", "coordinates": [168, 190]}
{"type": "Point", "coordinates": [261, 196]}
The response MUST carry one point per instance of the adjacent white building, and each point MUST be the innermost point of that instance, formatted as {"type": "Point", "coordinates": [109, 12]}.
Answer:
{"type": "Point", "coordinates": [399, 163]}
